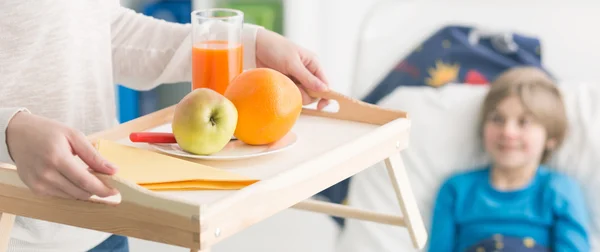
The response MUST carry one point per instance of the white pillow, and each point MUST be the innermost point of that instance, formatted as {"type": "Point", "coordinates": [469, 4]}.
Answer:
{"type": "Point", "coordinates": [444, 140]}
{"type": "Point", "coordinates": [580, 153]}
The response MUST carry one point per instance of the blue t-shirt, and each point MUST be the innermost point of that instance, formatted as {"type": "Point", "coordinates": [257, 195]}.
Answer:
{"type": "Point", "coordinates": [550, 210]}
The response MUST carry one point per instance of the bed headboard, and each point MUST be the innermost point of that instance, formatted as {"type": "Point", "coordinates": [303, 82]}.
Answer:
{"type": "Point", "coordinates": [567, 29]}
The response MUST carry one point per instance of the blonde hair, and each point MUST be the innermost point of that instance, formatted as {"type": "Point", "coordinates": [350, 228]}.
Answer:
{"type": "Point", "coordinates": [538, 95]}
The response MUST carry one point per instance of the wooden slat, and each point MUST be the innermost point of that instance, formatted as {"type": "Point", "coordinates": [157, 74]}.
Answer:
{"type": "Point", "coordinates": [6, 223]}
{"type": "Point", "coordinates": [406, 199]}
{"type": "Point", "coordinates": [342, 211]}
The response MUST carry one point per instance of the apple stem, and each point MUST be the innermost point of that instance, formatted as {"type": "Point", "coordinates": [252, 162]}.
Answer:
{"type": "Point", "coordinates": [212, 121]}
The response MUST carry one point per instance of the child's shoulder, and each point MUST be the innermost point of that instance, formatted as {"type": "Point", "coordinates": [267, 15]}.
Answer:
{"type": "Point", "coordinates": [559, 183]}
{"type": "Point", "coordinates": [566, 194]}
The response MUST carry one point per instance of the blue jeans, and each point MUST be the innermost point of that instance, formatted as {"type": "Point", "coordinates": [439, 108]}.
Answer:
{"type": "Point", "coordinates": [114, 243]}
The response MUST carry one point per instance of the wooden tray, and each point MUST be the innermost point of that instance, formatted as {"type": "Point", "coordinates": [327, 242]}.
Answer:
{"type": "Point", "coordinates": [331, 147]}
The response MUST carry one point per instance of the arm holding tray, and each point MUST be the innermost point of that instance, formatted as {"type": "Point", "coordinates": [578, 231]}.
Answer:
{"type": "Point", "coordinates": [144, 214]}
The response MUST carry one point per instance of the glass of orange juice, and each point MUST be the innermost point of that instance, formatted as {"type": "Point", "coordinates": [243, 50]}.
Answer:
{"type": "Point", "coordinates": [217, 52]}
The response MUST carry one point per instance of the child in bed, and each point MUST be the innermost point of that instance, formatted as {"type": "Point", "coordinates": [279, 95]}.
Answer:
{"type": "Point", "coordinates": [516, 203]}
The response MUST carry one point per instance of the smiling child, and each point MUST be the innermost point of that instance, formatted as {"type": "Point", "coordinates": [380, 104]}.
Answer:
{"type": "Point", "coordinates": [516, 203]}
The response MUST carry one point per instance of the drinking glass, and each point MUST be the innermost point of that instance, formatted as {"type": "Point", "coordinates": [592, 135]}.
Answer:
{"type": "Point", "coordinates": [217, 51]}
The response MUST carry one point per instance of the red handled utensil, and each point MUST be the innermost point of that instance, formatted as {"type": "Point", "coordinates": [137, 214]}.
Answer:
{"type": "Point", "coordinates": [152, 137]}
{"type": "Point", "coordinates": [155, 137]}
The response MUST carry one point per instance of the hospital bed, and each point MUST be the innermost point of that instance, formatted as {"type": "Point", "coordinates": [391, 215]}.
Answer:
{"type": "Point", "coordinates": [443, 118]}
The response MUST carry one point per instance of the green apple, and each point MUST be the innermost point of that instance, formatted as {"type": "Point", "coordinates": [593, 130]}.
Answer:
{"type": "Point", "coordinates": [204, 121]}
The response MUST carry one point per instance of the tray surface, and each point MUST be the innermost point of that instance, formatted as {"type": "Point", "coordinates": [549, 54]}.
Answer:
{"type": "Point", "coordinates": [315, 136]}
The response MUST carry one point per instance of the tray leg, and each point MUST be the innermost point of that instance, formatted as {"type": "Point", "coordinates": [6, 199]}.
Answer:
{"type": "Point", "coordinates": [406, 199]}
{"type": "Point", "coordinates": [6, 224]}
{"type": "Point", "coordinates": [411, 217]}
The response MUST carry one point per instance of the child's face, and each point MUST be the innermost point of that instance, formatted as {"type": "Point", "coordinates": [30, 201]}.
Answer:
{"type": "Point", "coordinates": [512, 137]}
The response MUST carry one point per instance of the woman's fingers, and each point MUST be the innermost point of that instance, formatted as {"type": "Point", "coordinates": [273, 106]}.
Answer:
{"type": "Point", "coordinates": [322, 104]}
{"type": "Point", "coordinates": [77, 173]}
{"type": "Point", "coordinates": [65, 186]}
{"type": "Point", "coordinates": [315, 68]}
{"type": "Point", "coordinates": [86, 151]}
{"type": "Point", "coordinates": [44, 152]}
{"type": "Point", "coordinates": [305, 77]}
{"type": "Point", "coordinates": [57, 192]}
{"type": "Point", "coordinates": [306, 99]}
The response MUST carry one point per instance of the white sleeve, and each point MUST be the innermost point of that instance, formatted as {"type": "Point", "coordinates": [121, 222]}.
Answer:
{"type": "Point", "coordinates": [6, 114]}
{"type": "Point", "coordinates": [147, 52]}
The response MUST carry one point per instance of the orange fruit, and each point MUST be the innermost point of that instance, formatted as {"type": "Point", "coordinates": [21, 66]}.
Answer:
{"type": "Point", "coordinates": [268, 105]}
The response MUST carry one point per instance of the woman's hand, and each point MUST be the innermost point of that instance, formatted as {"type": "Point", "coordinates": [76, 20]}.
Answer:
{"type": "Point", "coordinates": [276, 52]}
{"type": "Point", "coordinates": [44, 153]}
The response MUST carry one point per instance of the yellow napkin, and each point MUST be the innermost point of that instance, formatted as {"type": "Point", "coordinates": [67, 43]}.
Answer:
{"type": "Point", "coordinates": [155, 171]}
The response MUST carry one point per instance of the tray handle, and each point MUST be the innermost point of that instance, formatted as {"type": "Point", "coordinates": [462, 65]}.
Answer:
{"type": "Point", "coordinates": [354, 110]}
{"type": "Point", "coordinates": [134, 212]}
{"type": "Point", "coordinates": [129, 192]}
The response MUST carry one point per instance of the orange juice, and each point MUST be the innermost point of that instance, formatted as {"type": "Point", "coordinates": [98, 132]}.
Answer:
{"type": "Point", "coordinates": [215, 64]}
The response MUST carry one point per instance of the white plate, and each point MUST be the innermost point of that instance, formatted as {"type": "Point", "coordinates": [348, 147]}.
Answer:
{"type": "Point", "coordinates": [234, 150]}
